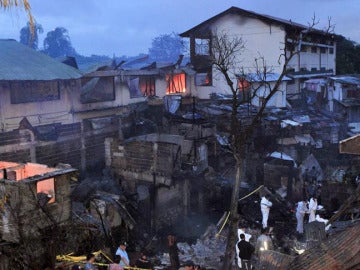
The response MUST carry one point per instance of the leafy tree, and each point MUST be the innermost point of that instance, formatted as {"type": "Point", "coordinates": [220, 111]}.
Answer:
{"type": "Point", "coordinates": [166, 47]}
{"type": "Point", "coordinates": [347, 56]}
{"type": "Point", "coordinates": [29, 38]}
{"type": "Point", "coordinates": [57, 43]}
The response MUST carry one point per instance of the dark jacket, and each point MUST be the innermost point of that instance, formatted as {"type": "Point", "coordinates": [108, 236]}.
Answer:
{"type": "Point", "coordinates": [245, 250]}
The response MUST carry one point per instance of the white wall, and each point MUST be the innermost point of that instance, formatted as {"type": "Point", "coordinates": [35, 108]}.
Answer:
{"type": "Point", "coordinates": [277, 100]}
{"type": "Point", "coordinates": [260, 40]}
{"type": "Point", "coordinates": [316, 60]}
{"type": "Point", "coordinates": [38, 113]}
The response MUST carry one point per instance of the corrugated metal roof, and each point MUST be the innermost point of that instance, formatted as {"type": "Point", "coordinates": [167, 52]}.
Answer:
{"type": "Point", "coordinates": [346, 80]}
{"type": "Point", "coordinates": [19, 62]}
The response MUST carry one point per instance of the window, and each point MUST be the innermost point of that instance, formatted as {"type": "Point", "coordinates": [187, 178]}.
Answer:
{"type": "Point", "coordinates": [322, 50]}
{"type": "Point", "coordinates": [32, 91]}
{"type": "Point", "coordinates": [98, 90]}
{"type": "Point", "coordinates": [303, 69]}
{"type": "Point", "coordinates": [147, 86]}
{"type": "Point", "coordinates": [203, 79]}
{"type": "Point", "coordinates": [314, 69]}
{"type": "Point", "coordinates": [291, 82]}
{"type": "Point", "coordinates": [45, 191]}
{"type": "Point", "coordinates": [331, 50]}
{"type": "Point", "coordinates": [244, 89]}
{"type": "Point", "coordinates": [303, 48]}
{"type": "Point", "coordinates": [202, 46]}
{"type": "Point", "coordinates": [289, 70]}
{"type": "Point", "coordinates": [314, 49]}
{"type": "Point", "coordinates": [243, 84]}
{"type": "Point", "coordinates": [175, 83]}
{"type": "Point", "coordinates": [140, 86]}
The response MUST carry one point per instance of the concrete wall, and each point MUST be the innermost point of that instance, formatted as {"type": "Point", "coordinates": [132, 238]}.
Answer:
{"type": "Point", "coordinates": [139, 157]}
{"type": "Point", "coordinates": [38, 113]}
{"type": "Point", "coordinates": [88, 110]}
{"type": "Point", "coordinates": [260, 40]}
{"type": "Point", "coordinates": [308, 59]}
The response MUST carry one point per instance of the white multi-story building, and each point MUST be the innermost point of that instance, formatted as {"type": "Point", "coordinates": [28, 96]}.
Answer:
{"type": "Point", "coordinates": [264, 37]}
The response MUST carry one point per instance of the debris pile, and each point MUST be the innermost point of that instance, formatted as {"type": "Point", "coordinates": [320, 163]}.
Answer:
{"type": "Point", "coordinates": [207, 251]}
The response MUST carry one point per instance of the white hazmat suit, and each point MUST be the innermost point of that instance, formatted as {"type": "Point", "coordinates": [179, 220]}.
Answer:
{"type": "Point", "coordinates": [301, 210]}
{"type": "Point", "coordinates": [265, 205]}
{"type": "Point", "coordinates": [312, 209]}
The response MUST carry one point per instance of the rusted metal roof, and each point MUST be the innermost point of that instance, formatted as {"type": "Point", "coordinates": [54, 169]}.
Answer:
{"type": "Point", "coordinates": [340, 251]}
{"type": "Point", "coordinates": [20, 62]}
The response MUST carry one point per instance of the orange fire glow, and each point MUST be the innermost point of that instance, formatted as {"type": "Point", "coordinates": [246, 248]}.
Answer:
{"type": "Point", "coordinates": [176, 83]}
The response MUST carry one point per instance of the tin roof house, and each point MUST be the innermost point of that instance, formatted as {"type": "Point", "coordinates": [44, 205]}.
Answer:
{"type": "Point", "coordinates": [35, 86]}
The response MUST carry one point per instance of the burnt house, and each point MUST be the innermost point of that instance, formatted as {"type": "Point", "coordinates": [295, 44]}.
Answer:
{"type": "Point", "coordinates": [139, 79]}
{"type": "Point", "coordinates": [33, 197]}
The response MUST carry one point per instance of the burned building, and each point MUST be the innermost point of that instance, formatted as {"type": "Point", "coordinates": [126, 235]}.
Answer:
{"type": "Point", "coordinates": [34, 199]}
{"type": "Point", "coordinates": [34, 196]}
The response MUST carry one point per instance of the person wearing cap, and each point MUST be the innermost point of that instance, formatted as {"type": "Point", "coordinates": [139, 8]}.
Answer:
{"type": "Point", "coordinates": [121, 251]}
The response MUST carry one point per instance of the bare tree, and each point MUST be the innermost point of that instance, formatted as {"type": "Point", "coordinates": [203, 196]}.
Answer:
{"type": "Point", "coordinates": [225, 51]}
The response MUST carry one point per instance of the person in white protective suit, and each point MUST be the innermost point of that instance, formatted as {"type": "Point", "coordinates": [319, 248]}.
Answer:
{"type": "Point", "coordinates": [265, 205]}
{"type": "Point", "coordinates": [312, 209]}
{"type": "Point", "coordinates": [301, 210]}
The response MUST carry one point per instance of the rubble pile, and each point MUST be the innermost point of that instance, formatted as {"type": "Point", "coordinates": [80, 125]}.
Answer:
{"type": "Point", "coordinates": [207, 251]}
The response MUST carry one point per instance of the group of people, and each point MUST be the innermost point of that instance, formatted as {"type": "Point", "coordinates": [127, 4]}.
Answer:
{"type": "Point", "coordinates": [121, 260]}
{"type": "Point", "coordinates": [303, 208]}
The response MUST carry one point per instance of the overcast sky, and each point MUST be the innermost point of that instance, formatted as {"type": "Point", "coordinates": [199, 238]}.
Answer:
{"type": "Point", "coordinates": [127, 27]}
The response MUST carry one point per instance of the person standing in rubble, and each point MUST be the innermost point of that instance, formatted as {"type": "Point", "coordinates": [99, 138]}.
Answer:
{"type": "Point", "coordinates": [263, 242]}
{"type": "Point", "coordinates": [173, 252]}
{"type": "Point", "coordinates": [143, 262]}
{"type": "Point", "coordinates": [265, 205]}
{"type": "Point", "coordinates": [312, 209]}
{"type": "Point", "coordinates": [124, 257]}
{"type": "Point", "coordinates": [245, 252]}
{"type": "Point", "coordinates": [301, 210]}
